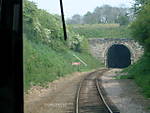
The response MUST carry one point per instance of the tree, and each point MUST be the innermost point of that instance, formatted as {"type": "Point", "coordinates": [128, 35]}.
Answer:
{"type": "Point", "coordinates": [29, 14]}
{"type": "Point", "coordinates": [76, 19]}
{"type": "Point", "coordinates": [123, 20]}
{"type": "Point", "coordinates": [141, 26]}
{"type": "Point", "coordinates": [138, 5]}
{"type": "Point", "coordinates": [103, 14]}
{"type": "Point", "coordinates": [88, 18]}
{"type": "Point", "coordinates": [98, 14]}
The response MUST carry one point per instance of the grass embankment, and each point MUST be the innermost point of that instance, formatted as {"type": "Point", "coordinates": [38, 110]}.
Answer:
{"type": "Point", "coordinates": [46, 55]}
{"type": "Point", "coordinates": [140, 72]}
{"type": "Point", "coordinates": [102, 31]}
{"type": "Point", "coordinates": [43, 64]}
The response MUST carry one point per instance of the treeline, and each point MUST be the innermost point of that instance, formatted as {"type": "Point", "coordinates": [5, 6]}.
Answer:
{"type": "Point", "coordinates": [104, 14]}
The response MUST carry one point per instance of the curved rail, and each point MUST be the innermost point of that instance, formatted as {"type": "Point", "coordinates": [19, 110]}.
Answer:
{"type": "Point", "coordinates": [96, 89]}
{"type": "Point", "coordinates": [77, 97]}
{"type": "Point", "coordinates": [102, 97]}
{"type": "Point", "coordinates": [78, 94]}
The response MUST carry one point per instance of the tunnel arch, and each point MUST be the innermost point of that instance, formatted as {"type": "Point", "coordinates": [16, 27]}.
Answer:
{"type": "Point", "coordinates": [118, 56]}
{"type": "Point", "coordinates": [100, 46]}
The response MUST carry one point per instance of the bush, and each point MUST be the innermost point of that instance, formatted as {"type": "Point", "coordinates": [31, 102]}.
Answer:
{"type": "Point", "coordinates": [123, 20]}
{"type": "Point", "coordinates": [42, 27]}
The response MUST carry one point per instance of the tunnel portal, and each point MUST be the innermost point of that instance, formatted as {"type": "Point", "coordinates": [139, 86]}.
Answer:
{"type": "Point", "coordinates": [118, 56]}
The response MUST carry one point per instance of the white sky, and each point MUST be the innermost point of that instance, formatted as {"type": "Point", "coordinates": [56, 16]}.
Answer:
{"type": "Point", "coordinates": [72, 7]}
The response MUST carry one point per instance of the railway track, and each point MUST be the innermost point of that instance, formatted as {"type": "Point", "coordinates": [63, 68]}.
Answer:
{"type": "Point", "coordinates": [90, 96]}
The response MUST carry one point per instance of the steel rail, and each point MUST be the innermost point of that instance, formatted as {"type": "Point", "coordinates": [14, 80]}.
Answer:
{"type": "Point", "coordinates": [98, 90]}
{"type": "Point", "coordinates": [102, 97]}
{"type": "Point", "coordinates": [77, 97]}
{"type": "Point", "coordinates": [78, 93]}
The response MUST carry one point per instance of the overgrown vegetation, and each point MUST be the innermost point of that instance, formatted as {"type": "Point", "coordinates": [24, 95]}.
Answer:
{"type": "Point", "coordinates": [43, 64]}
{"type": "Point", "coordinates": [102, 30]}
{"type": "Point", "coordinates": [46, 55]}
{"type": "Point", "coordinates": [140, 71]}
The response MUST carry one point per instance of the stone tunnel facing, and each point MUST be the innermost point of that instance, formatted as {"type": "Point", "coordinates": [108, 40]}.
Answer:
{"type": "Point", "coordinates": [118, 56]}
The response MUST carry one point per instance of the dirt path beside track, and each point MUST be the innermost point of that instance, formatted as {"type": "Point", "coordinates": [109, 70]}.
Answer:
{"type": "Point", "coordinates": [124, 93]}
{"type": "Point", "coordinates": [59, 97]}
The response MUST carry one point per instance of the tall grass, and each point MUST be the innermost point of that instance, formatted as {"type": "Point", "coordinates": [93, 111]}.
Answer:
{"type": "Point", "coordinates": [140, 72]}
{"type": "Point", "coordinates": [42, 64]}
{"type": "Point", "coordinates": [102, 31]}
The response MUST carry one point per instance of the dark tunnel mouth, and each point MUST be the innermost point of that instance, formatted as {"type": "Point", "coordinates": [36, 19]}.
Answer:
{"type": "Point", "coordinates": [118, 56]}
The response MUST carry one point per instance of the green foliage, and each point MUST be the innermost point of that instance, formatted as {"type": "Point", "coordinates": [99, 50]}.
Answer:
{"type": "Point", "coordinates": [102, 31]}
{"type": "Point", "coordinates": [42, 27]}
{"type": "Point", "coordinates": [29, 14]}
{"type": "Point", "coordinates": [46, 55]}
{"type": "Point", "coordinates": [141, 28]}
{"type": "Point", "coordinates": [76, 19]}
{"type": "Point", "coordinates": [89, 18]}
{"type": "Point", "coordinates": [138, 5]}
{"type": "Point", "coordinates": [140, 71]}
{"type": "Point", "coordinates": [75, 41]}
{"type": "Point", "coordinates": [43, 64]}
{"type": "Point", "coordinates": [123, 20]}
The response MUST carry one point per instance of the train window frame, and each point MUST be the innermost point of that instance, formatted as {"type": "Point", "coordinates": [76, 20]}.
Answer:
{"type": "Point", "coordinates": [16, 12]}
{"type": "Point", "coordinates": [0, 9]}
{"type": "Point", "coordinates": [12, 54]}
